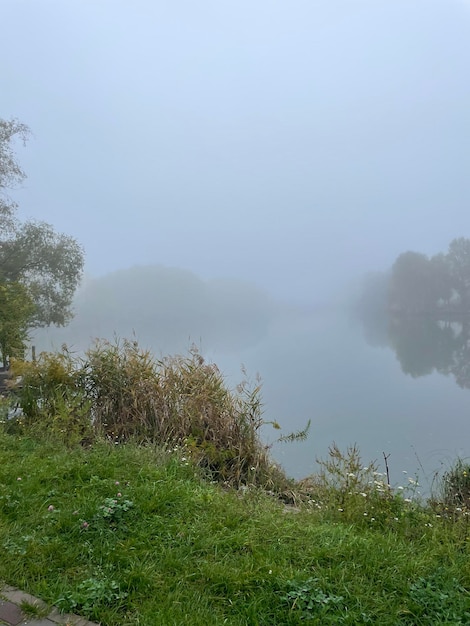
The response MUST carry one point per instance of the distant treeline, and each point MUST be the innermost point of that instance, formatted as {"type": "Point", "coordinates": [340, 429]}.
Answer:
{"type": "Point", "coordinates": [418, 284]}
{"type": "Point", "coordinates": [420, 308]}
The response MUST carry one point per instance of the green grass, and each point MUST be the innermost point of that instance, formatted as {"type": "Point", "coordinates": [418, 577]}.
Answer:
{"type": "Point", "coordinates": [174, 548]}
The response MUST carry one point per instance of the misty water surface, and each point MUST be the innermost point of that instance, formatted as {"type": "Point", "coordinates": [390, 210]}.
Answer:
{"type": "Point", "coordinates": [387, 388]}
{"type": "Point", "coordinates": [319, 367]}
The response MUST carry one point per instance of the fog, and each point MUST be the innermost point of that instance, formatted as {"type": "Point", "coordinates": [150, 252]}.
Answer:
{"type": "Point", "coordinates": [292, 145]}
{"type": "Point", "coordinates": [233, 168]}
{"type": "Point", "coordinates": [166, 310]}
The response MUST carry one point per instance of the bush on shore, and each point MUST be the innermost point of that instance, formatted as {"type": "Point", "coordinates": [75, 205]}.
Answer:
{"type": "Point", "coordinates": [123, 393]}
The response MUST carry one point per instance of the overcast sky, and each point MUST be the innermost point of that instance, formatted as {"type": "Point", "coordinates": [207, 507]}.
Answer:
{"type": "Point", "coordinates": [294, 144]}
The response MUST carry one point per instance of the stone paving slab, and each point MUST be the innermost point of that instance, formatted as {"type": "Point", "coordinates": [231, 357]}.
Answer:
{"type": "Point", "coordinates": [12, 615]}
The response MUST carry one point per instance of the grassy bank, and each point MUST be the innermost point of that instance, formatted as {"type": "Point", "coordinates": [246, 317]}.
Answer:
{"type": "Point", "coordinates": [137, 491]}
{"type": "Point", "coordinates": [126, 534]}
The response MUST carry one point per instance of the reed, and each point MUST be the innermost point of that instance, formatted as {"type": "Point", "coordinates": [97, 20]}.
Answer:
{"type": "Point", "coordinates": [121, 392]}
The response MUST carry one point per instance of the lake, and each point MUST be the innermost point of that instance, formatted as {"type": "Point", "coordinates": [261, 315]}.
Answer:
{"type": "Point", "coordinates": [336, 371]}
{"type": "Point", "coordinates": [319, 366]}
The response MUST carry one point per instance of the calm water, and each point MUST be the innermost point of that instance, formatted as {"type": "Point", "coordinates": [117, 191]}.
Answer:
{"type": "Point", "coordinates": [344, 377]}
{"type": "Point", "coordinates": [320, 367]}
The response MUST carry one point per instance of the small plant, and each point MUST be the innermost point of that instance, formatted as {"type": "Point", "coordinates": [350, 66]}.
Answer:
{"type": "Point", "coordinates": [113, 510]}
{"type": "Point", "coordinates": [308, 599]}
{"type": "Point", "coordinates": [90, 594]}
{"type": "Point", "coordinates": [34, 609]}
{"type": "Point", "coordinates": [347, 489]}
{"type": "Point", "coordinates": [438, 600]}
{"type": "Point", "coordinates": [17, 548]}
{"type": "Point", "coordinates": [455, 486]}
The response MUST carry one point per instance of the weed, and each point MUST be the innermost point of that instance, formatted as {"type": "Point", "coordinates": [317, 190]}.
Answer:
{"type": "Point", "coordinates": [121, 392]}
{"type": "Point", "coordinates": [436, 599]}
{"type": "Point", "coordinates": [455, 486]}
{"type": "Point", "coordinates": [89, 595]}
{"type": "Point", "coordinates": [34, 609]}
{"type": "Point", "coordinates": [52, 398]}
{"type": "Point", "coordinates": [348, 490]}
{"type": "Point", "coordinates": [308, 598]}
{"type": "Point", "coordinates": [113, 510]}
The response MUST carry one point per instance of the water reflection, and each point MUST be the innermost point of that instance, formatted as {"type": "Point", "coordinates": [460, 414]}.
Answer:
{"type": "Point", "coordinates": [424, 344]}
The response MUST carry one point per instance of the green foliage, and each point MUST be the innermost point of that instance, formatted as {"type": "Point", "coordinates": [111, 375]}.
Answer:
{"type": "Point", "coordinates": [122, 382]}
{"type": "Point", "coordinates": [178, 400]}
{"type": "Point", "coordinates": [345, 489]}
{"type": "Point", "coordinates": [307, 598]}
{"type": "Point", "coordinates": [438, 599]}
{"type": "Point", "coordinates": [52, 397]}
{"type": "Point", "coordinates": [10, 172]}
{"type": "Point", "coordinates": [455, 487]}
{"type": "Point", "coordinates": [39, 268]}
{"type": "Point", "coordinates": [175, 548]}
{"type": "Point", "coordinates": [91, 595]}
{"type": "Point", "coordinates": [33, 609]}
{"type": "Point", "coordinates": [16, 308]}
{"type": "Point", "coordinates": [48, 264]}
{"type": "Point", "coordinates": [121, 392]}
{"type": "Point", "coordinates": [300, 435]}
{"type": "Point", "coordinates": [113, 510]}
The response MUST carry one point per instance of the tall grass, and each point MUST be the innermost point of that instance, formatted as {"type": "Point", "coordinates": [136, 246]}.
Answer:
{"type": "Point", "coordinates": [455, 486]}
{"type": "Point", "coordinates": [122, 392]}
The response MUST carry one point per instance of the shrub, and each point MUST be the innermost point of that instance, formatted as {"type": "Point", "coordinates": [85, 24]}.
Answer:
{"type": "Point", "coordinates": [123, 384]}
{"type": "Point", "coordinates": [121, 392]}
{"type": "Point", "coordinates": [52, 396]}
{"type": "Point", "coordinates": [347, 490]}
{"type": "Point", "coordinates": [455, 487]}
